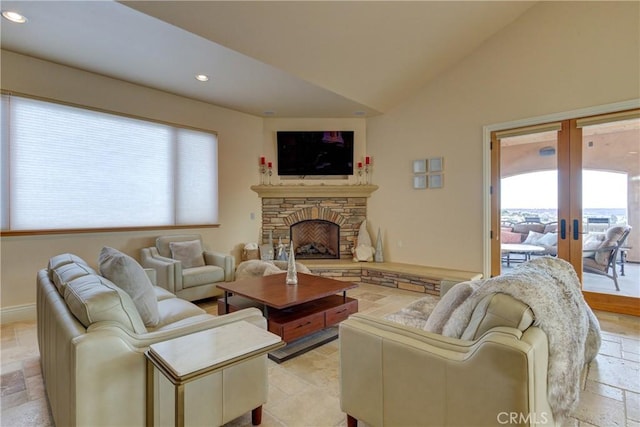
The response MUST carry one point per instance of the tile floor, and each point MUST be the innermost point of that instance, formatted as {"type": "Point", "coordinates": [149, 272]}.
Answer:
{"type": "Point", "coordinates": [304, 391]}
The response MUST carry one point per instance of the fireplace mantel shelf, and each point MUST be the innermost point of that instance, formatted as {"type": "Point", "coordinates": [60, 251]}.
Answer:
{"type": "Point", "coordinates": [276, 191]}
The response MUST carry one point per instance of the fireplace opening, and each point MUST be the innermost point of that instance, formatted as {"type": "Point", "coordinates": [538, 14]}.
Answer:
{"type": "Point", "coordinates": [316, 239]}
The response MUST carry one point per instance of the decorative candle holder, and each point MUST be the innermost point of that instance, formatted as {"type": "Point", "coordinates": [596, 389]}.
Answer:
{"type": "Point", "coordinates": [263, 174]}
{"type": "Point", "coordinates": [269, 173]}
{"type": "Point", "coordinates": [368, 169]}
{"type": "Point", "coordinates": [360, 182]}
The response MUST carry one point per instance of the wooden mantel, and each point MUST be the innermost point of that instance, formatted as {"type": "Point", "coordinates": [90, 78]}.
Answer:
{"type": "Point", "coordinates": [305, 190]}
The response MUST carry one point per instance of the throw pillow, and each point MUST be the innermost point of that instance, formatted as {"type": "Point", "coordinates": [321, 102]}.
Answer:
{"type": "Point", "coordinates": [447, 304]}
{"type": "Point", "coordinates": [592, 241]}
{"type": "Point", "coordinates": [532, 238]}
{"type": "Point", "coordinates": [128, 275]}
{"type": "Point", "coordinates": [510, 237]}
{"type": "Point", "coordinates": [189, 253]}
{"type": "Point", "coordinates": [549, 239]}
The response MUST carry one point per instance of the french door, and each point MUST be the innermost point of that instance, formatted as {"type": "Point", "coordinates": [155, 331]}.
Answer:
{"type": "Point", "coordinates": [537, 175]}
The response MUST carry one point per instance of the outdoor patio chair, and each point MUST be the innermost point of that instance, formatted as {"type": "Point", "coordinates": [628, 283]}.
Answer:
{"type": "Point", "coordinates": [602, 260]}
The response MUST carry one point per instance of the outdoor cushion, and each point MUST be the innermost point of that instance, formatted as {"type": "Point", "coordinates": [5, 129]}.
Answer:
{"type": "Point", "coordinates": [510, 237]}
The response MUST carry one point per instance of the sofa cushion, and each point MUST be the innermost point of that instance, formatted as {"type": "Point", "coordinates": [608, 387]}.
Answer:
{"type": "Point", "coordinates": [447, 304]}
{"type": "Point", "coordinates": [497, 310]}
{"type": "Point", "coordinates": [62, 259]}
{"type": "Point", "coordinates": [173, 310]}
{"type": "Point", "coordinates": [94, 299]}
{"type": "Point", "coordinates": [189, 253]}
{"type": "Point", "coordinates": [162, 294]}
{"type": "Point", "coordinates": [67, 272]}
{"type": "Point", "coordinates": [126, 273]}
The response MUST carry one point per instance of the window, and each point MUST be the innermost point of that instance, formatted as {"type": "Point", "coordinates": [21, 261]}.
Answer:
{"type": "Point", "coordinates": [70, 168]}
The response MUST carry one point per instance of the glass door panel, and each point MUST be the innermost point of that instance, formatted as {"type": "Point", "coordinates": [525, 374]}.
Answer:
{"type": "Point", "coordinates": [611, 204]}
{"type": "Point", "coordinates": [528, 190]}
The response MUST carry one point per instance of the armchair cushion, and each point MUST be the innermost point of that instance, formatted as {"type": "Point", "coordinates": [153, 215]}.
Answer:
{"type": "Point", "coordinates": [126, 273]}
{"type": "Point", "coordinates": [189, 253]}
{"type": "Point", "coordinates": [196, 276]}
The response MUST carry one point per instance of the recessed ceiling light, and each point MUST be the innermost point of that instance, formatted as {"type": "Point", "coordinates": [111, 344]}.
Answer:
{"type": "Point", "coordinates": [14, 17]}
{"type": "Point", "coordinates": [202, 77]}
{"type": "Point", "coordinates": [359, 113]}
{"type": "Point", "coordinates": [269, 113]}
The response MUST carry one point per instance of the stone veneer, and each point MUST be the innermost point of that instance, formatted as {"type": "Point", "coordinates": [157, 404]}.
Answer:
{"type": "Point", "coordinates": [279, 214]}
{"type": "Point", "coordinates": [283, 206]}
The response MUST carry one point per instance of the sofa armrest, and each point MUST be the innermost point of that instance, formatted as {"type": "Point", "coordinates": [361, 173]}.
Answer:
{"type": "Point", "coordinates": [224, 261]}
{"type": "Point", "coordinates": [387, 370]}
{"type": "Point", "coordinates": [168, 271]}
{"type": "Point", "coordinates": [184, 327]}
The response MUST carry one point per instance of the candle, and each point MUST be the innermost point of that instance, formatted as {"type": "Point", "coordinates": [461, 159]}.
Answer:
{"type": "Point", "coordinates": [367, 160]}
{"type": "Point", "coordinates": [262, 160]}
{"type": "Point", "coordinates": [269, 165]}
{"type": "Point", "coordinates": [359, 165]}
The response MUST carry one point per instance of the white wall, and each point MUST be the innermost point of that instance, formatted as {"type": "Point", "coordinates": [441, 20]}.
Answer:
{"type": "Point", "coordinates": [559, 56]}
{"type": "Point", "coordinates": [239, 144]}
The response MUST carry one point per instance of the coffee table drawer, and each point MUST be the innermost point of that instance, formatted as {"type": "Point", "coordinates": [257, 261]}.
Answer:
{"type": "Point", "coordinates": [340, 313]}
{"type": "Point", "coordinates": [300, 327]}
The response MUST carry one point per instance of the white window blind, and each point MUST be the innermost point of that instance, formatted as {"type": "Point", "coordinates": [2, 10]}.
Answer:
{"type": "Point", "coordinates": [72, 168]}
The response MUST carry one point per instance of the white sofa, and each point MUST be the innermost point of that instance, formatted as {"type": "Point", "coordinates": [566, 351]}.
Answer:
{"type": "Point", "coordinates": [92, 341]}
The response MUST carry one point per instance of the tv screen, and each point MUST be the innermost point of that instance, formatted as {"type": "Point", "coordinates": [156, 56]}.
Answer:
{"type": "Point", "coordinates": [315, 153]}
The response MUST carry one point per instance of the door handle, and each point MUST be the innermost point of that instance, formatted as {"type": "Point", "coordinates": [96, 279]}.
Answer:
{"type": "Point", "coordinates": [576, 232]}
{"type": "Point", "coordinates": [563, 229]}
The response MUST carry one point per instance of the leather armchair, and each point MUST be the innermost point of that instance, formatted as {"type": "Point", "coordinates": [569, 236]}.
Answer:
{"type": "Point", "coordinates": [191, 283]}
{"type": "Point", "coordinates": [398, 375]}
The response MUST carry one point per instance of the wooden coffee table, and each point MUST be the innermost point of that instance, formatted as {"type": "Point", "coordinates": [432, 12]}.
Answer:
{"type": "Point", "coordinates": [292, 311]}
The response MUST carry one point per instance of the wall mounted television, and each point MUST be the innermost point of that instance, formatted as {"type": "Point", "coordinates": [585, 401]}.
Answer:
{"type": "Point", "coordinates": [304, 153]}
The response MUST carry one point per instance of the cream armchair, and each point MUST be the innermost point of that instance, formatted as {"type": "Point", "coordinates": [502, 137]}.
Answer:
{"type": "Point", "coordinates": [509, 350]}
{"type": "Point", "coordinates": [397, 375]}
{"type": "Point", "coordinates": [184, 268]}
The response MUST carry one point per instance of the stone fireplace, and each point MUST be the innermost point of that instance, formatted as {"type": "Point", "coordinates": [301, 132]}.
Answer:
{"type": "Point", "coordinates": [320, 219]}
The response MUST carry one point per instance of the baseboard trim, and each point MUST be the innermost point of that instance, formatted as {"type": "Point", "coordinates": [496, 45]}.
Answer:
{"type": "Point", "coordinates": [18, 313]}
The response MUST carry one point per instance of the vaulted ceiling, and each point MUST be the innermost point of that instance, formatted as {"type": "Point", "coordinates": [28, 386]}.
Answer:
{"type": "Point", "coordinates": [267, 58]}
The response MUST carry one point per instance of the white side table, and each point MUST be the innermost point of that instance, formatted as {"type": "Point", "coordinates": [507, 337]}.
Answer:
{"type": "Point", "coordinates": [194, 356]}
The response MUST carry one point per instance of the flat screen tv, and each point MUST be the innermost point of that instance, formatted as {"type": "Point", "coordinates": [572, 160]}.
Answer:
{"type": "Point", "coordinates": [315, 153]}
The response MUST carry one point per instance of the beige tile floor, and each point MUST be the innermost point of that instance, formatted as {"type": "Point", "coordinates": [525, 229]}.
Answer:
{"type": "Point", "coordinates": [304, 391]}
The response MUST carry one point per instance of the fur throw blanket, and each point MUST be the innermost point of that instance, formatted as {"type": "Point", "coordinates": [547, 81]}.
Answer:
{"type": "Point", "coordinates": [551, 288]}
